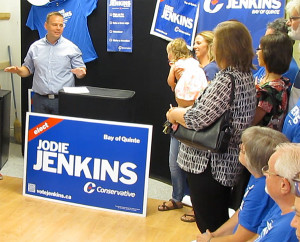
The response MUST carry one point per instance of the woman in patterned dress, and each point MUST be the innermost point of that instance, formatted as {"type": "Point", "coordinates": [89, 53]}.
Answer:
{"type": "Point", "coordinates": [274, 53]}
{"type": "Point", "coordinates": [211, 175]}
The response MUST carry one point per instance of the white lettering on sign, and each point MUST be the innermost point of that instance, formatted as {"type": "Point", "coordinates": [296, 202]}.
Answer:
{"type": "Point", "coordinates": [170, 15]}
{"type": "Point", "coordinates": [116, 3]}
{"type": "Point", "coordinates": [54, 157]}
{"type": "Point", "coordinates": [262, 6]}
{"type": "Point", "coordinates": [41, 128]}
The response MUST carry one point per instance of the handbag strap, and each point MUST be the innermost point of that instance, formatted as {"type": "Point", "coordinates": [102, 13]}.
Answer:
{"type": "Point", "coordinates": [232, 88]}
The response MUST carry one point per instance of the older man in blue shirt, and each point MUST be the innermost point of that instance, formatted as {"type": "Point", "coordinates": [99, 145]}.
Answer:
{"type": "Point", "coordinates": [53, 61]}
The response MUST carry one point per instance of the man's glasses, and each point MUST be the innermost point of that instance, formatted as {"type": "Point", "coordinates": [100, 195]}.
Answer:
{"type": "Point", "coordinates": [296, 181]}
{"type": "Point", "coordinates": [293, 18]}
{"type": "Point", "coordinates": [258, 48]}
{"type": "Point", "coordinates": [265, 171]}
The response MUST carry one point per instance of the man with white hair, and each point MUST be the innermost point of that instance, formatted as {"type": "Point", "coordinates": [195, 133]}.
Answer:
{"type": "Point", "coordinates": [282, 167]}
{"type": "Point", "coordinates": [293, 11]}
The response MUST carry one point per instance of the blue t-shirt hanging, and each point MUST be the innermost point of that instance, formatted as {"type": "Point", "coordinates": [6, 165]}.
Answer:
{"type": "Point", "coordinates": [75, 14]}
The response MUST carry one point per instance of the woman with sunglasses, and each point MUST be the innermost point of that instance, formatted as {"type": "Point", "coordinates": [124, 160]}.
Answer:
{"type": "Point", "coordinates": [256, 203]}
{"type": "Point", "coordinates": [274, 53]}
{"type": "Point", "coordinates": [278, 25]}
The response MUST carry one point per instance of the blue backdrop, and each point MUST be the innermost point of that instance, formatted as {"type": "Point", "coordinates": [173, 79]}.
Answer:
{"type": "Point", "coordinates": [255, 14]}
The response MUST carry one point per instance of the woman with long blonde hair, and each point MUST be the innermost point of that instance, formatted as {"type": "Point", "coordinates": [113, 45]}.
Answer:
{"type": "Point", "coordinates": [203, 51]}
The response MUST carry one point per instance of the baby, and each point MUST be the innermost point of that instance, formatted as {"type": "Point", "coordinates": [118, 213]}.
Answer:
{"type": "Point", "coordinates": [192, 81]}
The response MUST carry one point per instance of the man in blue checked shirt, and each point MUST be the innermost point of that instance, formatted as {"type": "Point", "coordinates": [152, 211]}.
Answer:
{"type": "Point", "coordinates": [53, 61]}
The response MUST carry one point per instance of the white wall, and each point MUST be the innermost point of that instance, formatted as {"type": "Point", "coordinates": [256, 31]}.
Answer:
{"type": "Point", "coordinates": [10, 34]}
{"type": "Point", "coordinates": [297, 52]}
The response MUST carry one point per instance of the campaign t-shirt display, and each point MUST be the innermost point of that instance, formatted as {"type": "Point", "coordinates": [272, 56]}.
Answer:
{"type": "Point", "coordinates": [75, 14]}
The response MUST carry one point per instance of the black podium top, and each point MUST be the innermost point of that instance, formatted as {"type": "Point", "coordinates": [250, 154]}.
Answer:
{"type": "Point", "coordinates": [99, 103]}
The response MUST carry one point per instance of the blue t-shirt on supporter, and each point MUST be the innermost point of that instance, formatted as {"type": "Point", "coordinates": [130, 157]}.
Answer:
{"type": "Point", "coordinates": [75, 14]}
{"type": "Point", "coordinates": [291, 126]}
{"type": "Point", "coordinates": [276, 227]}
{"type": "Point", "coordinates": [210, 70]}
{"type": "Point", "coordinates": [255, 205]}
{"type": "Point", "coordinates": [295, 92]}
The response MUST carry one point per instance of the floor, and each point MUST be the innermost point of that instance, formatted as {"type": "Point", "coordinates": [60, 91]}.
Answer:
{"type": "Point", "coordinates": [157, 190]}
{"type": "Point", "coordinates": [35, 220]}
{"type": "Point", "coordinates": [14, 167]}
{"type": "Point", "coordinates": [30, 219]}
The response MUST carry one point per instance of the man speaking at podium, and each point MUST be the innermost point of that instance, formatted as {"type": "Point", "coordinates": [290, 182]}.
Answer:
{"type": "Point", "coordinates": [53, 61]}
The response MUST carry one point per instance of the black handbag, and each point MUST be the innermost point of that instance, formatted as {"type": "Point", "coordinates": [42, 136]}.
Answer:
{"type": "Point", "coordinates": [215, 137]}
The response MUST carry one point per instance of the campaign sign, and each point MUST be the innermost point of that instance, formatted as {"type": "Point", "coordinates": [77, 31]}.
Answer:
{"type": "Point", "coordinates": [255, 14]}
{"type": "Point", "coordinates": [99, 164]}
{"type": "Point", "coordinates": [119, 26]}
{"type": "Point", "coordinates": [176, 19]}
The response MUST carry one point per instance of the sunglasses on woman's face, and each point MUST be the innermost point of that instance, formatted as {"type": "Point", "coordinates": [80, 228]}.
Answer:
{"type": "Point", "coordinates": [293, 18]}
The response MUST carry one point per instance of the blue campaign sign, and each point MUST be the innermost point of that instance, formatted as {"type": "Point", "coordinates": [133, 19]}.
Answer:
{"type": "Point", "coordinates": [255, 14]}
{"type": "Point", "coordinates": [99, 164]}
{"type": "Point", "coordinates": [176, 19]}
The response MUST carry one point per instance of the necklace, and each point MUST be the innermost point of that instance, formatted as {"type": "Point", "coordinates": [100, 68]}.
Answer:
{"type": "Point", "coordinates": [269, 77]}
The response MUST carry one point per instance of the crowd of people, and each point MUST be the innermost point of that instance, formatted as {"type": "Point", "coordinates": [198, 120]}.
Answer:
{"type": "Point", "coordinates": [265, 119]}
{"type": "Point", "coordinates": [266, 137]}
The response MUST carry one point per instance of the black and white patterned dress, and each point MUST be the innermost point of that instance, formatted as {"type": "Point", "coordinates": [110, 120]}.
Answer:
{"type": "Point", "coordinates": [207, 109]}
